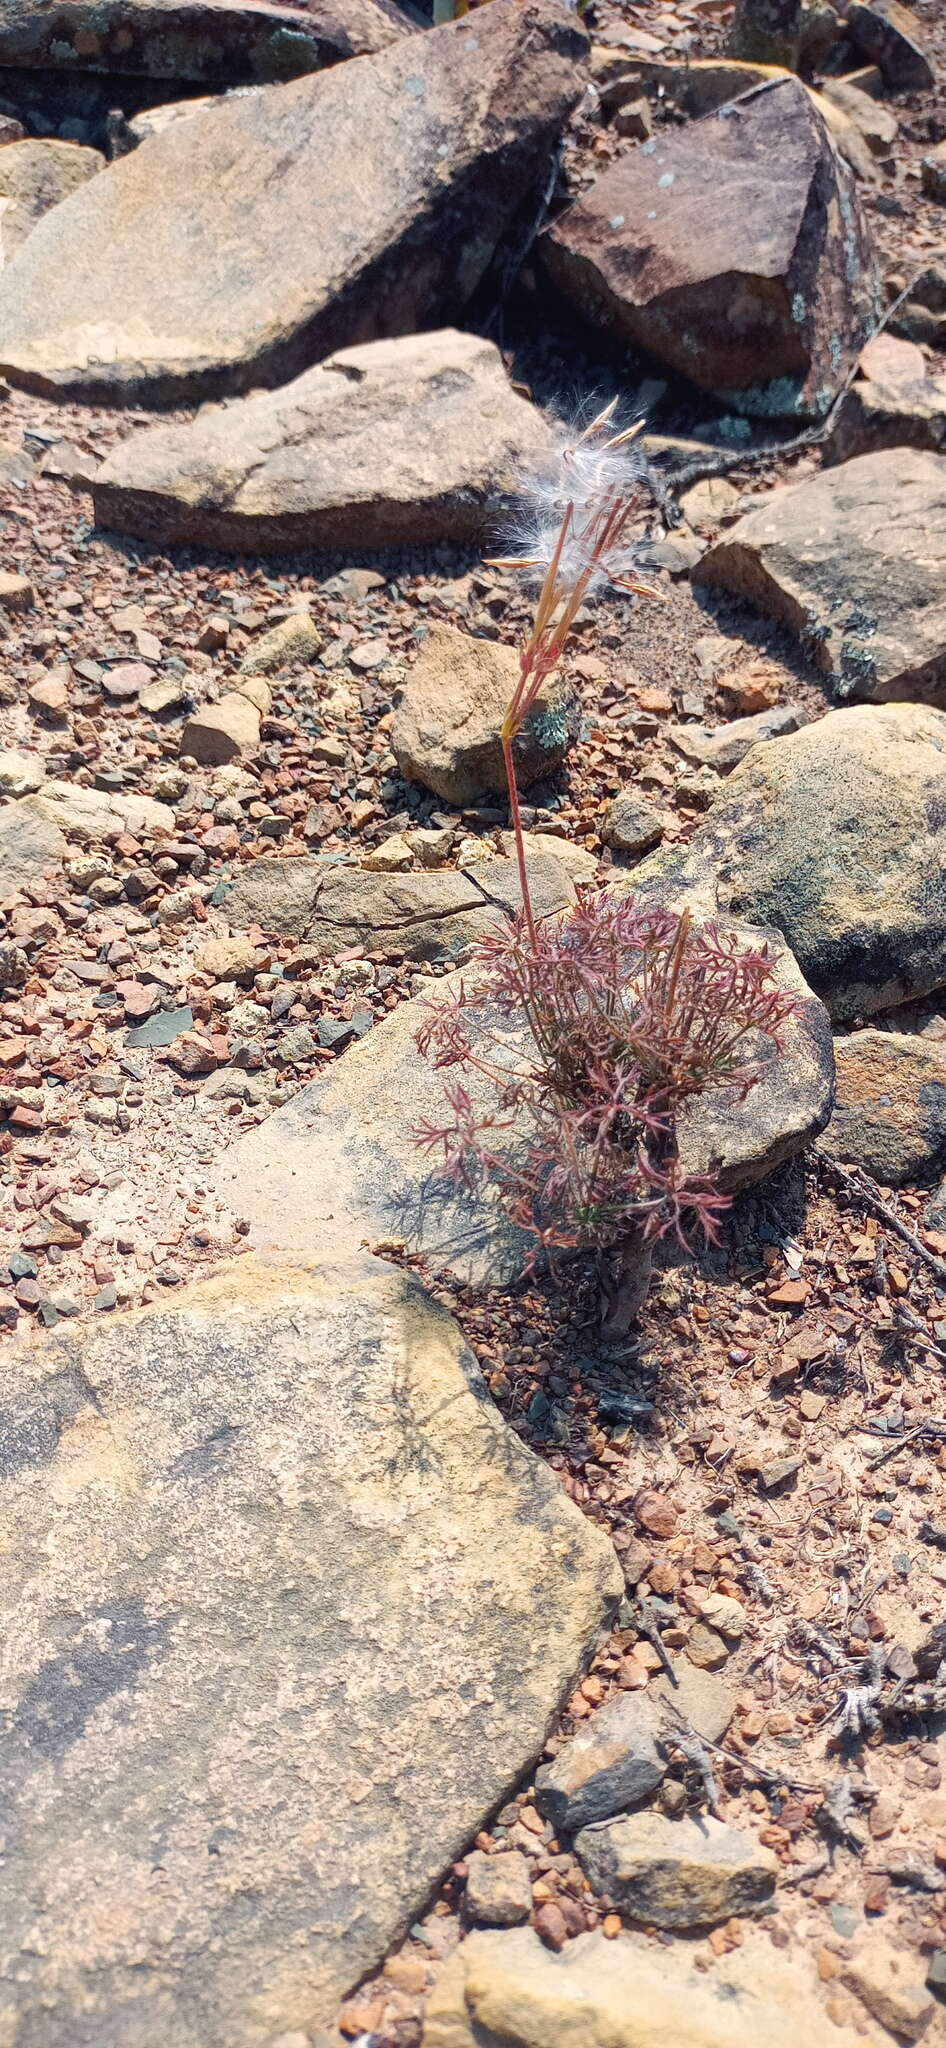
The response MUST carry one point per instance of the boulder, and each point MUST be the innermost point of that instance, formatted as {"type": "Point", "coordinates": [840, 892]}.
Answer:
{"type": "Point", "coordinates": [20, 774]}
{"type": "Point", "coordinates": [733, 250]}
{"type": "Point", "coordinates": [34, 177]}
{"type": "Point", "coordinates": [852, 560]}
{"type": "Point", "coordinates": [696, 87]}
{"type": "Point", "coordinates": [627, 1994]}
{"type": "Point", "coordinates": [890, 1108]}
{"type": "Point", "coordinates": [432, 916]}
{"type": "Point", "coordinates": [891, 36]}
{"type": "Point", "coordinates": [399, 442]}
{"type": "Point", "coordinates": [288, 1611]}
{"type": "Point", "coordinates": [693, 1872]}
{"type": "Point", "coordinates": [218, 41]}
{"type": "Point", "coordinates": [340, 1157]}
{"type": "Point", "coordinates": [894, 402]}
{"type": "Point", "coordinates": [766, 32]}
{"type": "Point", "coordinates": [371, 201]}
{"type": "Point", "coordinates": [445, 732]}
{"type": "Point", "coordinates": [933, 174]}
{"type": "Point", "coordinates": [836, 836]}
{"type": "Point", "coordinates": [876, 124]}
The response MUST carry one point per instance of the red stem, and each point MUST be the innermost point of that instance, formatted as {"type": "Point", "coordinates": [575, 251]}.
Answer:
{"type": "Point", "coordinates": [516, 819]}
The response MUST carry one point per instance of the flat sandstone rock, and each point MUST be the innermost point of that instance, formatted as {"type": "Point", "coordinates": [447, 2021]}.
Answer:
{"type": "Point", "coordinates": [853, 560]}
{"type": "Point", "coordinates": [287, 1612]}
{"type": "Point", "coordinates": [399, 442]}
{"type": "Point", "coordinates": [282, 225]}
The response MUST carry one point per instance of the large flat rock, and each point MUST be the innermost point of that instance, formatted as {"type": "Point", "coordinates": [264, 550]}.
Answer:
{"type": "Point", "coordinates": [216, 41]}
{"type": "Point", "coordinates": [854, 561]}
{"type": "Point", "coordinates": [35, 176]}
{"type": "Point", "coordinates": [286, 1610]}
{"type": "Point", "coordinates": [338, 1163]}
{"type": "Point", "coordinates": [366, 201]}
{"type": "Point", "coordinates": [399, 442]}
{"type": "Point", "coordinates": [732, 249]}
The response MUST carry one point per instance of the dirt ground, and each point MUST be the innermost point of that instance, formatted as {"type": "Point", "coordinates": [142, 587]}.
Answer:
{"type": "Point", "coordinates": [786, 1400]}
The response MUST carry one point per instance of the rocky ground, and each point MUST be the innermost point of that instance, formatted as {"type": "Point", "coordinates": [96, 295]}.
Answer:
{"type": "Point", "coordinates": [185, 733]}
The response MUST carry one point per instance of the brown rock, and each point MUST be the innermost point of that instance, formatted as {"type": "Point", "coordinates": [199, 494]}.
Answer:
{"type": "Point", "coordinates": [419, 439]}
{"type": "Point", "coordinates": [498, 1889]}
{"type": "Point", "coordinates": [894, 402]}
{"type": "Point", "coordinates": [631, 824]}
{"type": "Point", "coordinates": [222, 732]}
{"type": "Point", "coordinates": [890, 1112]}
{"type": "Point", "coordinates": [446, 728]}
{"type": "Point", "coordinates": [655, 1513]}
{"type": "Point", "coordinates": [16, 592]}
{"type": "Point", "coordinates": [677, 1873]}
{"type": "Point", "coordinates": [437, 141]}
{"type": "Point", "coordinates": [35, 176]}
{"type": "Point", "coordinates": [723, 746]}
{"type": "Point", "coordinates": [889, 1983]}
{"type": "Point", "coordinates": [705, 1648]}
{"type": "Point", "coordinates": [651, 251]}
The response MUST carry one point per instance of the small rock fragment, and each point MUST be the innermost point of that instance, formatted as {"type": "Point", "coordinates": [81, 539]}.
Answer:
{"type": "Point", "coordinates": [498, 1889]}
{"type": "Point", "coordinates": [677, 1873]}
{"type": "Point", "coordinates": [221, 732]}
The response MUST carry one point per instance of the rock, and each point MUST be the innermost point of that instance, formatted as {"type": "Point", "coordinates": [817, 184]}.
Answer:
{"type": "Point", "coordinates": [628, 1994]}
{"type": "Point", "coordinates": [445, 732]}
{"type": "Point", "coordinates": [890, 1112]}
{"type": "Point", "coordinates": [48, 696]}
{"type": "Point", "coordinates": [705, 1649]}
{"type": "Point", "coordinates": [936, 1974]}
{"type": "Point", "coordinates": [396, 443]}
{"type": "Point", "coordinates": [10, 130]}
{"type": "Point", "coordinates": [35, 176]}
{"type": "Point", "coordinates": [613, 1762]}
{"type": "Point", "coordinates": [125, 135]}
{"type": "Point", "coordinates": [724, 746]}
{"type": "Point", "coordinates": [766, 32]}
{"type": "Point", "coordinates": [877, 124]}
{"type": "Point", "coordinates": [240, 1532]}
{"type": "Point", "coordinates": [95, 814]}
{"type": "Point", "coordinates": [631, 824]}
{"type": "Point", "coordinates": [677, 1873]}
{"type": "Point", "coordinates": [166, 693]}
{"type": "Point", "coordinates": [852, 561]}
{"type": "Point", "coordinates": [634, 120]}
{"type": "Point", "coordinates": [933, 174]}
{"type": "Point", "coordinates": [498, 1889]}
{"type": "Point", "coordinates": [392, 857]}
{"type": "Point", "coordinates": [20, 774]}
{"type": "Point", "coordinates": [697, 86]}
{"type": "Point", "coordinates": [231, 959]}
{"type": "Point", "coordinates": [834, 835]}
{"type": "Point", "coordinates": [30, 846]}
{"type": "Point", "coordinates": [422, 916]}
{"type": "Point", "coordinates": [922, 316]}
{"type": "Point", "coordinates": [217, 41]}
{"type": "Point", "coordinates": [16, 592]}
{"type": "Point", "coordinates": [650, 252]}
{"type": "Point", "coordinates": [437, 141]}
{"type": "Point", "coordinates": [891, 36]}
{"type": "Point", "coordinates": [340, 1155]}
{"type": "Point", "coordinates": [221, 732]}
{"type": "Point", "coordinates": [295, 639]}
{"type": "Point", "coordinates": [893, 403]}
{"type": "Point", "coordinates": [704, 1699]}
{"type": "Point", "coordinates": [888, 1982]}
